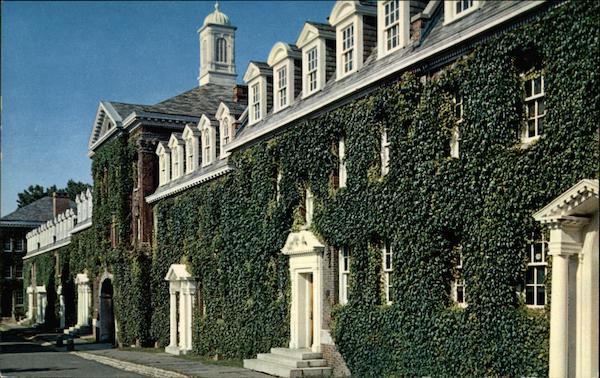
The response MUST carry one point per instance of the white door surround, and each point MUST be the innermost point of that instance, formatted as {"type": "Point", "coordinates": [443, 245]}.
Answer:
{"type": "Point", "coordinates": [306, 255]}
{"type": "Point", "coordinates": [573, 221]}
{"type": "Point", "coordinates": [180, 281]}
{"type": "Point", "coordinates": [40, 315]}
{"type": "Point", "coordinates": [84, 300]}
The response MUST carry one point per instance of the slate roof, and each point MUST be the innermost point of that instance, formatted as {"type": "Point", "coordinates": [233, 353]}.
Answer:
{"type": "Point", "coordinates": [438, 33]}
{"type": "Point", "coordinates": [38, 211]}
{"type": "Point", "coordinates": [322, 27]}
{"type": "Point", "coordinates": [263, 67]}
{"type": "Point", "coordinates": [204, 99]}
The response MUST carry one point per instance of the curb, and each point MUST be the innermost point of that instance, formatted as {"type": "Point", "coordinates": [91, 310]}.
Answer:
{"type": "Point", "coordinates": [130, 366]}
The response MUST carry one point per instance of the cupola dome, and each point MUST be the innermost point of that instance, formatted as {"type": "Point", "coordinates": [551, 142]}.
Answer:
{"type": "Point", "coordinates": [217, 17]}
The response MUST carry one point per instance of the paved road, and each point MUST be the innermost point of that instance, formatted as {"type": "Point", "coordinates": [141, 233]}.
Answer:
{"type": "Point", "coordinates": [22, 358]}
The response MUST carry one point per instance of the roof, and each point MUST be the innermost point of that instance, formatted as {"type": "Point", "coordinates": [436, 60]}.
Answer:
{"type": "Point", "coordinates": [322, 27]}
{"type": "Point", "coordinates": [39, 211]}
{"type": "Point", "coordinates": [437, 37]}
{"type": "Point", "coordinates": [217, 18]}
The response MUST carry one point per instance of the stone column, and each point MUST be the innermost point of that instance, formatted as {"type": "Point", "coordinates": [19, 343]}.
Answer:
{"type": "Point", "coordinates": [30, 306]}
{"type": "Point", "coordinates": [173, 319]}
{"type": "Point", "coordinates": [565, 241]}
{"type": "Point", "coordinates": [189, 291]}
{"type": "Point", "coordinates": [61, 307]}
{"type": "Point", "coordinates": [182, 320]}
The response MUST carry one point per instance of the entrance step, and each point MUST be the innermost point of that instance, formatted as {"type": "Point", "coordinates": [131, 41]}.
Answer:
{"type": "Point", "coordinates": [290, 363]}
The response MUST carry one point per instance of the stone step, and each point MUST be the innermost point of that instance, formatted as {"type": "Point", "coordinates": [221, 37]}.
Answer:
{"type": "Point", "coordinates": [279, 370]}
{"type": "Point", "coordinates": [291, 362]}
{"type": "Point", "coordinates": [299, 354]}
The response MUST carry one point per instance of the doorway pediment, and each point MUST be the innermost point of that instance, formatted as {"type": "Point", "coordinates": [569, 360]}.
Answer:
{"type": "Point", "coordinates": [178, 272]}
{"type": "Point", "coordinates": [302, 242]}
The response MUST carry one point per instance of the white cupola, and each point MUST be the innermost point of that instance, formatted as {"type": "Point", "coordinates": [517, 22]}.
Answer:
{"type": "Point", "coordinates": [217, 50]}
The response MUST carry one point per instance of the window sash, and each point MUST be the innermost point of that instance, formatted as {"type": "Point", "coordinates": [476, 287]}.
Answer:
{"type": "Point", "coordinates": [256, 101]}
{"type": "Point", "coordinates": [535, 110]}
{"type": "Point", "coordinates": [462, 5]}
{"type": "Point", "coordinates": [348, 48]}
{"type": "Point", "coordinates": [312, 62]}
{"type": "Point", "coordinates": [535, 289]}
{"type": "Point", "coordinates": [282, 82]}
{"type": "Point", "coordinates": [344, 269]}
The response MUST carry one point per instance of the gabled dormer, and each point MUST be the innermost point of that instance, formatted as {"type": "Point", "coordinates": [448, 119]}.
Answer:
{"type": "Point", "coordinates": [286, 62]}
{"type": "Point", "coordinates": [164, 163]}
{"type": "Point", "coordinates": [227, 126]}
{"type": "Point", "coordinates": [106, 123]}
{"type": "Point", "coordinates": [355, 24]}
{"type": "Point", "coordinates": [208, 137]}
{"type": "Point", "coordinates": [317, 43]}
{"type": "Point", "coordinates": [177, 156]}
{"type": "Point", "coordinates": [191, 139]}
{"type": "Point", "coordinates": [393, 26]}
{"type": "Point", "coordinates": [259, 78]}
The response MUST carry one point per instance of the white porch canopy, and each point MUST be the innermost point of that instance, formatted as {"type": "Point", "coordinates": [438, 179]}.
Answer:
{"type": "Point", "coordinates": [180, 281]}
{"type": "Point", "coordinates": [573, 221]}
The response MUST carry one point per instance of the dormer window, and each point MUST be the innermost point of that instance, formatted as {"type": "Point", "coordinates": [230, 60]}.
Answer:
{"type": "Point", "coordinates": [311, 79]}
{"type": "Point", "coordinates": [225, 131]}
{"type": "Point", "coordinates": [208, 139]}
{"type": "Point", "coordinates": [255, 93]}
{"type": "Point", "coordinates": [282, 86]}
{"type": "Point", "coordinates": [176, 144]}
{"type": "Point", "coordinates": [348, 48]}
{"type": "Point", "coordinates": [226, 128]}
{"type": "Point", "coordinates": [164, 162]}
{"type": "Point", "coordinates": [456, 9]}
{"type": "Point", "coordinates": [259, 78]}
{"type": "Point", "coordinates": [191, 137]}
{"type": "Point", "coordinates": [392, 28]}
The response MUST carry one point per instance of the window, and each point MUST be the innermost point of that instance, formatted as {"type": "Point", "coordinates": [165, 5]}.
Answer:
{"type": "Point", "coordinates": [19, 297]}
{"type": "Point", "coordinates": [385, 153]}
{"type": "Point", "coordinates": [458, 116]}
{"type": "Point", "coordinates": [311, 79]}
{"type": "Point", "coordinates": [225, 130]}
{"type": "Point", "coordinates": [391, 24]}
{"type": "Point", "coordinates": [19, 271]}
{"type": "Point", "coordinates": [387, 272]}
{"type": "Point", "coordinates": [342, 174]}
{"type": "Point", "coordinates": [163, 170]}
{"type": "Point", "coordinates": [189, 150]}
{"type": "Point", "coordinates": [458, 286]}
{"type": "Point", "coordinates": [347, 48]}
{"type": "Point", "coordinates": [206, 147]}
{"type": "Point", "coordinates": [309, 207]}
{"type": "Point", "coordinates": [7, 271]}
{"type": "Point", "coordinates": [175, 159]}
{"type": "Point", "coordinates": [534, 106]}
{"type": "Point", "coordinates": [221, 51]}
{"type": "Point", "coordinates": [462, 5]}
{"type": "Point", "coordinates": [282, 85]}
{"type": "Point", "coordinates": [278, 185]}
{"type": "Point", "coordinates": [535, 291]}
{"type": "Point", "coordinates": [19, 245]}
{"type": "Point", "coordinates": [256, 101]}
{"type": "Point", "coordinates": [344, 274]}
{"type": "Point", "coordinates": [7, 245]}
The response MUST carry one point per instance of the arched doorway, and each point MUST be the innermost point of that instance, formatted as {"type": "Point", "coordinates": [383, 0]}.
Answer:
{"type": "Point", "coordinates": [107, 316]}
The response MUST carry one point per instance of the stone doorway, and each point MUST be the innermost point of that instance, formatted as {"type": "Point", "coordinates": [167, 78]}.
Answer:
{"type": "Point", "coordinates": [107, 316]}
{"type": "Point", "coordinates": [182, 290]}
{"type": "Point", "coordinates": [306, 253]}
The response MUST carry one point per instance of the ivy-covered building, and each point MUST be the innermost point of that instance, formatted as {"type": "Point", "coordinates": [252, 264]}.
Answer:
{"type": "Point", "coordinates": [409, 189]}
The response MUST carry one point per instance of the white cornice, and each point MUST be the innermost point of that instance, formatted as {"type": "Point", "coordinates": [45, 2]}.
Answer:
{"type": "Point", "coordinates": [82, 226]}
{"type": "Point", "coordinates": [188, 184]}
{"type": "Point", "coordinates": [48, 248]}
{"type": "Point", "coordinates": [376, 76]}
{"type": "Point", "coordinates": [572, 202]}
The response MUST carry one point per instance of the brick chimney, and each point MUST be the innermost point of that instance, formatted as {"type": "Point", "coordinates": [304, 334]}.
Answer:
{"type": "Point", "coordinates": [60, 203]}
{"type": "Point", "coordinates": [240, 93]}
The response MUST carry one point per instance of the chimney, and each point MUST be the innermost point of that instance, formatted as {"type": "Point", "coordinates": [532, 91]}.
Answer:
{"type": "Point", "coordinates": [60, 203]}
{"type": "Point", "coordinates": [240, 93]}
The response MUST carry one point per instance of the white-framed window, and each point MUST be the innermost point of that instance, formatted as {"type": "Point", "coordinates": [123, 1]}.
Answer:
{"type": "Point", "coordinates": [226, 131]}
{"type": "Point", "coordinates": [255, 101]}
{"type": "Point", "coordinates": [278, 185]}
{"type": "Point", "coordinates": [206, 147]}
{"type": "Point", "coordinates": [309, 207]}
{"type": "Point", "coordinates": [385, 153]}
{"type": "Point", "coordinates": [163, 169]}
{"type": "Point", "coordinates": [19, 245]}
{"type": "Point", "coordinates": [312, 64]}
{"type": "Point", "coordinates": [458, 285]}
{"type": "Point", "coordinates": [461, 6]}
{"type": "Point", "coordinates": [7, 245]}
{"type": "Point", "coordinates": [535, 276]}
{"type": "Point", "coordinates": [189, 151]}
{"type": "Point", "coordinates": [456, 9]}
{"type": "Point", "coordinates": [392, 24]}
{"type": "Point", "coordinates": [535, 110]}
{"type": "Point", "coordinates": [175, 162]}
{"type": "Point", "coordinates": [344, 260]}
{"type": "Point", "coordinates": [457, 103]}
{"type": "Point", "coordinates": [342, 172]}
{"type": "Point", "coordinates": [221, 50]}
{"type": "Point", "coordinates": [282, 82]}
{"type": "Point", "coordinates": [388, 284]}
{"type": "Point", "coordinates": [348, 48]}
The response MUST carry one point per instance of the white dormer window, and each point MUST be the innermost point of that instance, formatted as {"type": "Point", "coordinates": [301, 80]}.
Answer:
{"type": "Point", "coordinates": [456, 9]}
{"type": "Point", "coordinates": [164, 162]}
{"type": "Point", "coordinates": [176, 145]}
{"type": "Point", "coordinates": [393, 25]}
{"type": "Point", "coordinates": [282, 85]}
{"type": "Point", "coordinates": [255, 96]}
{"type": "Point", "coordinates": [208, 138]}
{"type": "Point", "coordinates": [385, 153]}
{"type": "Point", "coordinates": [342, 172]}
{"type": "Point", "coordinates": [191, 137]}
{"type": "Point", "coordinates": [189, 151]}
{"type": "Point", "coordinates": [311, 76]}
{"type": "Point", "coordinates": [348, 48]}
{"type": "Point", "coordinates": [225, 130]}
{"type": "Point", "coordinates": [206, 148]}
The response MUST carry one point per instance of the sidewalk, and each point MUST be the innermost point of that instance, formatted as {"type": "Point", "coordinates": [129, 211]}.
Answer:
{"type": "Point", "coordinates": [163, 365]}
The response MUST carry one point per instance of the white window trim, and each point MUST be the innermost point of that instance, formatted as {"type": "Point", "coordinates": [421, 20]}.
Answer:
{"type": "Point", "coordinates": [309, 207]}
{"type": "Point", "coordinates": [387, 250]}
{"type": "Point", "coordinates": [461, 279]}
{"type": "Point", "coordinates": [344, 275]}
{"type": "Point", "coordinates": [543, 264]}
{"type": "Point", "coordinates": [450, 11]}
{"type": "Point", "coordinates": [342, 168]}
{"type": "Point", "coordinates": [10, 246]}
{"type": "Point", "coordinates": [261, 81]}
{"type": "Point", "coordinates": [207, 130]}
{"type": "Point", "coordinates": [525, 139]}
{"type": "Point", "coordinates": [288, 65]}
{"type": "Point", "coordinates": [457, 101]}
{"type": "Point", "coordinates": [357, 50]}
{"type": "Point", "coordinates": [385, 153]}
{"type": "Point", "coordinates": [229, 128]}
{"type": "Point", "coordinates": [403, 23]}
{"type": "Point", "coordinates": [319, 45]}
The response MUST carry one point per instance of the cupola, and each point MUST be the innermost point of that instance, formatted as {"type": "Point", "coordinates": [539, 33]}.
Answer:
{"type": "Point", "coordinates": [217, 50]}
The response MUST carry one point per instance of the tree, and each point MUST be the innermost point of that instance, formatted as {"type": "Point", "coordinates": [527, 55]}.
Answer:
{"type": "Point", "coordinates": [35, 192]}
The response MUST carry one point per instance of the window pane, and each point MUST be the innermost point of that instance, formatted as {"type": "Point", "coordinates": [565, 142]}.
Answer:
{"type": "Point", "coordinates": [541, 109]}
{"type": "Point", "coordinates": [541, 296]}
{"type": "Point", "coordinates": [540, 126]}
{"type": "Point", "coordinates": [531, 128]}
{"type": "Point", "coordinates": [529, 276]}
{"type": "Point", "coordinates": [537, 255]}
{"type": "Point", "coordinates": [529, 298]}
{"type": "Point", "coordinates": [541, 273]}
{"type": "Point", "coordinates": [528, 84]}
{"type": "Point", "coordinates": [537, 85]}
{"type": "Point", "coordinates": [531, 109]}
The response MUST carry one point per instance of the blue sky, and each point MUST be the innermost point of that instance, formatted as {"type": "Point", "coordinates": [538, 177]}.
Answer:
{"type": "Point", "coordinates": [59, 59]}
